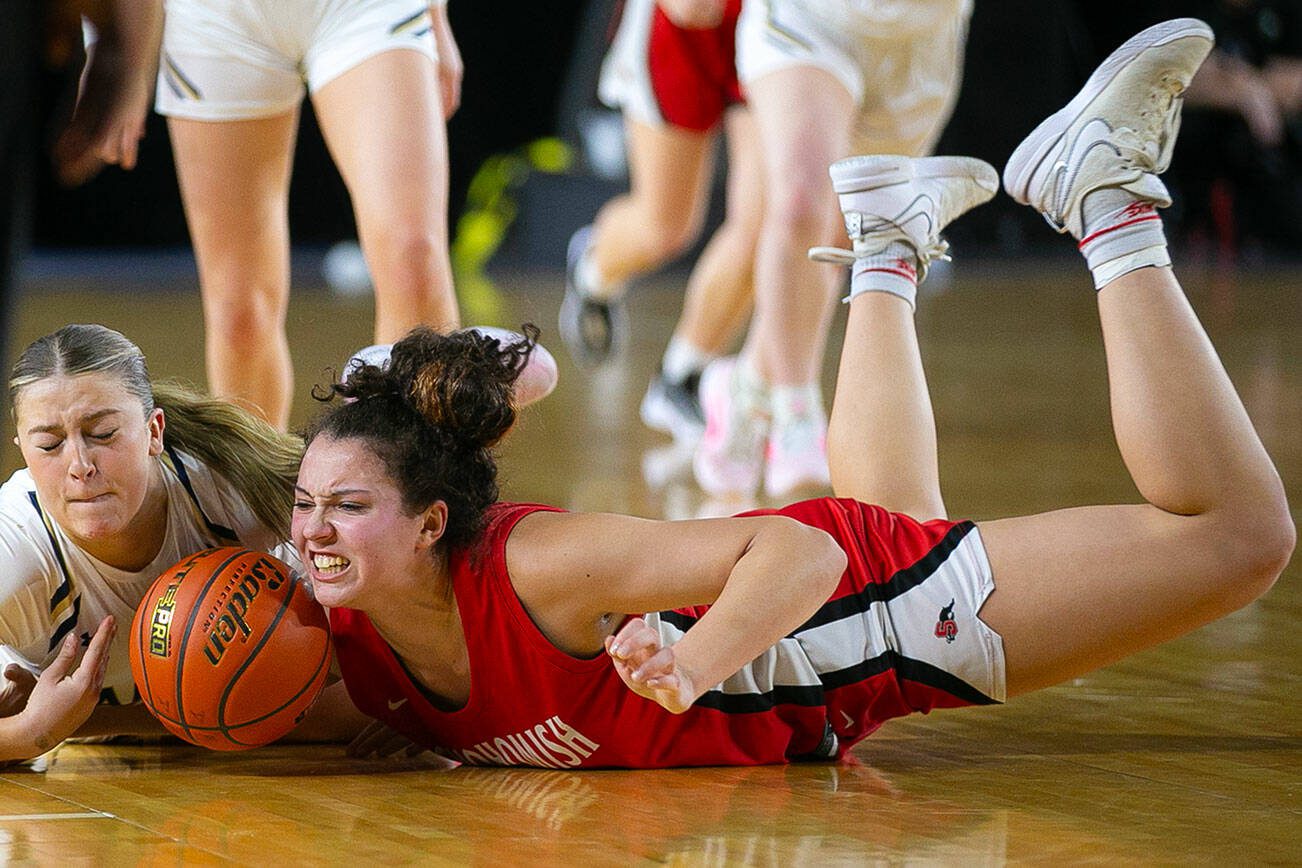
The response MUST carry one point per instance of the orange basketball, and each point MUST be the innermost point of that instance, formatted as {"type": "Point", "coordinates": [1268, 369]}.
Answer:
{"type": "Point", "coordinates": [228, 650]}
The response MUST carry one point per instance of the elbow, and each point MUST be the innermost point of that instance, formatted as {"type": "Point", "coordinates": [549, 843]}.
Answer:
{"type": "Point", "coordinates": [823, 558]}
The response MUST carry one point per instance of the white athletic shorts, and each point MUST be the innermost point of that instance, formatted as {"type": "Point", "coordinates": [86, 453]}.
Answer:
{"type": "Point", "coordinates": [242, 59]}
{"type": "Point", "coordinates": [901, 60]}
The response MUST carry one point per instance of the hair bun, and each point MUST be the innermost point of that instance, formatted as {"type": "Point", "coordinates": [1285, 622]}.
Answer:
{"type": "Point", "coordinates": [462, 382]}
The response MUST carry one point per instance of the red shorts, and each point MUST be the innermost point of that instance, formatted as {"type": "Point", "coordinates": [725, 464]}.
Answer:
{"type": "Point", "coordinates": [901, 633]}
{"type": "Point", "coordinates": [661, 74]}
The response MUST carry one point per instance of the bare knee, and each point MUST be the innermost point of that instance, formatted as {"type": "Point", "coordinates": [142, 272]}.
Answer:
{"type": "Point", "coordinates": [243, 313]}
{"type": "Point", "coordinates": [1255, 546]}
{"type": "Point", "coordinates": [738, 234]}
{"type": "Point", "coordinates": [668, 235]}
{"type": "Point", "coordinates": [802, 212]}
{"type": "Point", "coordinates": [679, 237]}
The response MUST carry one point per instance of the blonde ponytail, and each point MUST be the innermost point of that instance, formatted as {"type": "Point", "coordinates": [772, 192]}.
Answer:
{"type": "Point", "coordinates": [259, 461]}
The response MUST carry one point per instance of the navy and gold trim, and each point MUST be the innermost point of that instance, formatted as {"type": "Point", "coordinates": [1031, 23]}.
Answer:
{"type": "Point", "coordinates": [224, 535]}
{"type": "Point", "coordinates": [781, 34]}
{"type": "Point", "coordinates": [416, 24]}
{"type": "Point", "coordinates": [65, 602]}
{"type": "Point", "coordinates": [176, 80]}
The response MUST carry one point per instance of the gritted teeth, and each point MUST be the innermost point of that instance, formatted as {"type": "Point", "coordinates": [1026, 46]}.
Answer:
{"type": "Point", "coordinates": [329, 563]}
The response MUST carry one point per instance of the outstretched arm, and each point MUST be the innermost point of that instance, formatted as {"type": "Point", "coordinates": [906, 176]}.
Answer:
{"type": "Point", "coordinates": [1227, 83]}
{"type": "Point", "coordinates": [763, 576]}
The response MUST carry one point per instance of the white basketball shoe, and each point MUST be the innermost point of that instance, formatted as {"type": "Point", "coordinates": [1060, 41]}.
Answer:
{"type": "Point", "coordinates": [729, 458]}
{"type": "Point", "coordinates": [1119, 131]}
{"type": "Point", "coordinates": [535, 382]}
{"type": "Point", "coordinates": [887, 199]}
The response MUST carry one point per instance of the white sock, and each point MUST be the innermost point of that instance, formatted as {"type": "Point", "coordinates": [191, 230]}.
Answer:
{"type": "Point", "coordinates": [682, 359]}
{"type": "Point", "coordinates": [750, 390]}
{"type": "Point", "coordinates": [893, 270]}
{"type": "Point", "coordinates": [1122, 233]}
{"type": "Point", "coordinates": [589, 280]}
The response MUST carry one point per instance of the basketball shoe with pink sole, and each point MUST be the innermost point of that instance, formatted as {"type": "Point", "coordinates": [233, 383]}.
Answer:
{"type": "Point", "coordinates": [795, 458]}
{"type": "Point", "coordinates": [729, 459]}
{"type": "Point", "coordinates": [536, 381]}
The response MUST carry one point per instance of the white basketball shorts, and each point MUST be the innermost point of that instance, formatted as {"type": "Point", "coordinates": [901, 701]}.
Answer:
{"type": "Point", "coordinates": [902, 62]}
{"type": "Point", "coordinates": [243, 59]}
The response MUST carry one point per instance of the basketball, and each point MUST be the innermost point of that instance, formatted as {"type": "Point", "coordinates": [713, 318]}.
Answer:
{"type": "Point", "coordinates": [228, 650]}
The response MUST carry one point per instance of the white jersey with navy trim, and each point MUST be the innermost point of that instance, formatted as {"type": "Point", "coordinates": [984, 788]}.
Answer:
{"type": "Point", "coordinates": [50, 587]}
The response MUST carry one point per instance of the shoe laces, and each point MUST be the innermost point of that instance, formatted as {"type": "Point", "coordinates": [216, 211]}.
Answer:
{"type": "Point", "coordinates": [934, 249]}
{"type": "Point", "coordinates": [1150, 148]}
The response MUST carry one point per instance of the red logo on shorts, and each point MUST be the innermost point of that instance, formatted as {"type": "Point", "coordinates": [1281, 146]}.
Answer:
{"type": "Point", "coordinates": [946, 626]}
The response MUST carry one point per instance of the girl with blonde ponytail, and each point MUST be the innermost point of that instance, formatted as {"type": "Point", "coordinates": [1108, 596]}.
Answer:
{"type": "Point", "coordinates": [123, 478]}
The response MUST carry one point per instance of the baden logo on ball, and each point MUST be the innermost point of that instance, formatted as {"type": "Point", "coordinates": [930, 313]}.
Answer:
{"type": "Point", "coordinates": [229, 650]}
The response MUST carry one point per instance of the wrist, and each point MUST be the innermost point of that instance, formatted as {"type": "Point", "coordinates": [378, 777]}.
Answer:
{"type": "Point", "coordinates": [693, 670]}
{"type": "Point", "coordinates": [16, 740]}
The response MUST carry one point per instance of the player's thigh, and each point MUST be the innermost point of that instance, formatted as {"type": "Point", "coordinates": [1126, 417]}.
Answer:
{"type": "Point", "coordinates": [803, 118]}
{"type": "Point", "coordinates": [383, 122]}
{"type": "Point", "coordinates": [802, 86]}
{"type": "Point", "coordinates": [670, 171]}
{"type": "Point", "coordinates": [234, 176]}
{"type": "Point", "coordinates": [1079, 588]}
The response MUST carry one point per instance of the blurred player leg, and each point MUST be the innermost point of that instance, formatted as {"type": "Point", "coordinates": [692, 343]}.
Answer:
{"type": "Point", "coordinates": [803, 117]}
{"type": "Point", "coordinates": [717, 303]}
{"type": "Point", "coordinates": [234, 178]}
{"type": "Point", "coordinates": [383, 122]}
{"type": "Point", "coordinates": [669, 181]}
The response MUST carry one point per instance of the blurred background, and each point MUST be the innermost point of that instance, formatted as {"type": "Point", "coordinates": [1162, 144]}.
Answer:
{"type": "Point", "coordinates": [534, 154]}
{"type": "Point", "coordinates": [531, 72]}
{"type": "Point", "coordinates": [1189, 751]}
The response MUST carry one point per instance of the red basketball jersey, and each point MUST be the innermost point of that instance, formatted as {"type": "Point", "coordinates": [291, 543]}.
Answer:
{"type": "Point", "coordinates": [817, 692]}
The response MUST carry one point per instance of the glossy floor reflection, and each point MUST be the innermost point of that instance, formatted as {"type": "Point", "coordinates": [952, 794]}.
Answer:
{"type": "Point", "coordinates": [1191, 752]}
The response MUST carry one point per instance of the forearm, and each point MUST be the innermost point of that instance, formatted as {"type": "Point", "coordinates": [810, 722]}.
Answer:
{"type": "Point", "coordinates": [1222, 83]}
{"type": "Point", "coordinates": [138, 33]}
{"type": "Point", "coordinates": [17, 741]}
{"type": "Point", "coordinates": [332, 718]}
{"type": "Point", "coordinates": [785, 575]}
{"type": "Point", "coordinates": [1284, 76]}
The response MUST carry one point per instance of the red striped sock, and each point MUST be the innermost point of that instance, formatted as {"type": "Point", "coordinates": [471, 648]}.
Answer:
{"type": "Point", "coordinates": [893, 270]}
{"type": "Point", "coordinates": [1122, 233]}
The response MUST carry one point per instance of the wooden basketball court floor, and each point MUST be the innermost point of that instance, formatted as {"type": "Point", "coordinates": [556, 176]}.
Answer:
{"type": "Point", "coordinates": [1189, 753]}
